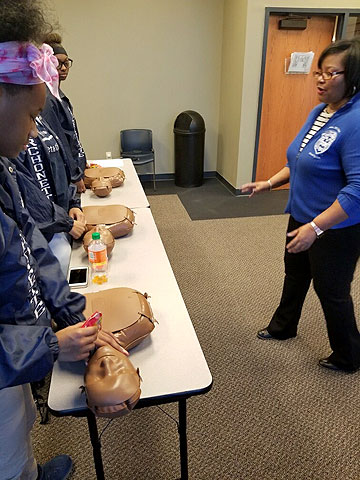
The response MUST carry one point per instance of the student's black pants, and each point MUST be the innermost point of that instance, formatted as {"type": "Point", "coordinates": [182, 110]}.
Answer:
{"type": "Point", "coordinates": [330, 262]}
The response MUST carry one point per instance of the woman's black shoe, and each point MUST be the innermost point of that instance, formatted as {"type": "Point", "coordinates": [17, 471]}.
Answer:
{"type": "Point", "coordinates": [326, 363]}
{"type": "Point", "coordinates": [264, 334]}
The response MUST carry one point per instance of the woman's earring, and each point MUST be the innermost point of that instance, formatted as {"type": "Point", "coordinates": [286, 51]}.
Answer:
{"type": "Point", "coordinates": [354, 90]}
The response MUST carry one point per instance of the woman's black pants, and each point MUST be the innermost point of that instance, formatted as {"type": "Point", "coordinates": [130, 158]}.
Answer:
{"type": "Point", "coordinates": [330, 262]}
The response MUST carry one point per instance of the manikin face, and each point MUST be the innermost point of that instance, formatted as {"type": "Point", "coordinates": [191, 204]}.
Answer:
{"type": "Point", "coordinates": [17, 118]}
{"type": "Point", "coordinates": [332, 91]}
{"type": "Point", "coordinates": [105, 375]}
{"type": "Point", "coordinates": [62, 69]}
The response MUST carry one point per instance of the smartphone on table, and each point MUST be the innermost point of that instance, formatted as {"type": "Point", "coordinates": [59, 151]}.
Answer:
{"type": "Point", "coordinates": [78, 277]}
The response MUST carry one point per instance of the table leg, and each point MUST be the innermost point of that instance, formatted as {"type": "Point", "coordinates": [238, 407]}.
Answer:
{"type": "Point", "coordinates": [94, 437]}
{"type": "Point", "coordinates": [183, 439]}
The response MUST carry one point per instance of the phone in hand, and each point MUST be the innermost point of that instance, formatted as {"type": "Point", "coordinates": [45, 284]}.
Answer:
{"type": "Point", "coordinates": [78, 277]}
{"type": "Point", "coordinates": [93, 320]}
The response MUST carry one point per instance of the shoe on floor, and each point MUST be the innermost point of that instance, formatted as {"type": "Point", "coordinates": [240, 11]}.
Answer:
{"type": "Point", "coordinates": [326, 363]}
{"type": "Point", "coordinates": [264, 334]}
{"type": "Point", "coordinates": [58, 468]}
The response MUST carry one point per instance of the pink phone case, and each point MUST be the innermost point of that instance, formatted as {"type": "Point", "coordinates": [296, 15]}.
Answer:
{"type": "Point", "coordinates": [94, 319]}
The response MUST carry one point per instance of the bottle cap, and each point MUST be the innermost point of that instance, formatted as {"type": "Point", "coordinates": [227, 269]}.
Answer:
{"type": "Point", "coordinates": [96, 236]}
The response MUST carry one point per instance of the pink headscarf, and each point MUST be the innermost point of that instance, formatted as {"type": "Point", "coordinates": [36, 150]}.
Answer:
{"type": "Point", "coordinates": [25, 64]}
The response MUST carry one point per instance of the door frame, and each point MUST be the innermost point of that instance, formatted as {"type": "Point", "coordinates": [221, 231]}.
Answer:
{"type": "Point", "coordinates": [342, 13]}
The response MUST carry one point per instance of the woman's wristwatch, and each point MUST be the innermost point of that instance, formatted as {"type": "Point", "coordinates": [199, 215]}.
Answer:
{"type": "Point", "coordinates": [317, 230]}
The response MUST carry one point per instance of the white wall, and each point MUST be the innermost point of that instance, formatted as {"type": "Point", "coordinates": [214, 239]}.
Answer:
{"type": "Point", "coordinates": [233, 51]}
{"type": "Point", "coordinates": [138, 64]}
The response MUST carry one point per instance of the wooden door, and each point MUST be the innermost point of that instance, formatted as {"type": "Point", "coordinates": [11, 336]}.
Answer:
{"type": "Point", "coordinates": [287, 99]}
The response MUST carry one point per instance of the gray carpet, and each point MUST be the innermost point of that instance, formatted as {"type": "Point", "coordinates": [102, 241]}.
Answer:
{"type": "Point", "coordinates": [272, 412]}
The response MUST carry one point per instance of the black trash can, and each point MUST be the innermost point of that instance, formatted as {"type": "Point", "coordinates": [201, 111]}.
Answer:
{"type": "Point", "coordinates": [189, 130]}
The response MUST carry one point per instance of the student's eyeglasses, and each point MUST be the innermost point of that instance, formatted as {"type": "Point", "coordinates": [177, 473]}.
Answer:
{"type": "Point", "coordinates": [67, 64]}
{"type": "Point", "coordinates": [327, 75]}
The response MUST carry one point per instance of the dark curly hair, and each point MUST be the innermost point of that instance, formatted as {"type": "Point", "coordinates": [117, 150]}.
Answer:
{"type": "Point", "coordinates": [23, 21]}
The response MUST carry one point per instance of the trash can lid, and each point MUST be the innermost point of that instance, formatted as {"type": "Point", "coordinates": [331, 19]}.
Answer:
{"type": "Point", "coordinates": [189, 121]}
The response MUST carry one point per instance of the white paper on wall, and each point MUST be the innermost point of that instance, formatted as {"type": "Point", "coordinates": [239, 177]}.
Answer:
{"type": "Point", "coordinates": [300, 62]}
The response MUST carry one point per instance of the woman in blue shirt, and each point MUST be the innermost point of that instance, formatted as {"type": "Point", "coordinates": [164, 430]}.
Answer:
{"type": "Point", "coordinates": [323, 236]}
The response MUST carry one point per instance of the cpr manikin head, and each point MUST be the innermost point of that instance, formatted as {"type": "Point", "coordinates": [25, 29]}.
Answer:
{"type": "Point", "coordinates": [112, 383]}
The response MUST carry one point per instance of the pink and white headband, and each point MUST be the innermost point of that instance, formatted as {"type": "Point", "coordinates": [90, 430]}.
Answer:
{"type": "Point", "coordinates": [24, 64]}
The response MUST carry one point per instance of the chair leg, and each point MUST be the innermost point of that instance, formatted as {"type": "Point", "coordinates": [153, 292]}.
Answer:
{"type": "Point", "coordinates": [154, 174]}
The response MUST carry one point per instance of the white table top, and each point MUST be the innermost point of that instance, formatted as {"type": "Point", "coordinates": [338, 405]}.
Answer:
{"type": "Point", "coordinates": [171, 360]}
{"type": "Point", "coordinates": [130, 194]}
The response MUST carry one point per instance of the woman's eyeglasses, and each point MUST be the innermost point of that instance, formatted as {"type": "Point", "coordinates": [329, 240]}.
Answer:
{"type": "Point", "coordinates": [327, 75]}
{"type": "Point", "coordinates": [67, 64]}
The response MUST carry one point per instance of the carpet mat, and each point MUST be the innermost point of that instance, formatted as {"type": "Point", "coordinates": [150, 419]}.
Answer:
{"type": "Point", "coordinates": [273, 413]}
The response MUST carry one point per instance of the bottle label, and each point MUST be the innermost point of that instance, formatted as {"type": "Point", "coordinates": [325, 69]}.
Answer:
{"type": "Point", "coordinates": [97, 257]}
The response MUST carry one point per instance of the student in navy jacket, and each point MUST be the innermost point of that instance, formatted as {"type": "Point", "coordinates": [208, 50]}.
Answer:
{"type": "Point", "coordinates": [50, 218]}
{"type": "Point", "coordinates": [45, 160]}
{"type": "Point", "coordinates": [323, 236]}
{"type": "Point", "coordinates": [59, 114]}
{"type": "Point", "coordinates": [32, 288]}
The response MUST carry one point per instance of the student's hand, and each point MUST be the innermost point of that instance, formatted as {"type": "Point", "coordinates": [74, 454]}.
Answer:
{"type": "Point", "coordinates": [77, 230]}
{"type": "Point", "coordinates": [77, 214]}
{"type": "Point", "coordinates": [255, 187]}
{"type": "Point", "coordinates": [76, 343]}
{"type": "Point", "coordinates": [80, 186]}
{"type": "Point", "coordinates": [108, 338]}
{"type": "Point", "coordinates": [304, 237]}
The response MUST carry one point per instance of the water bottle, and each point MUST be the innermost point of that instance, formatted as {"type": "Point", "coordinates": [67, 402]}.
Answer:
{"type": "Point", "coordinates": [98, 259]}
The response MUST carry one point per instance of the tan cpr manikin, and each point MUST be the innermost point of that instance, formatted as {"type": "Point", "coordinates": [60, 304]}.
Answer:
{"type": "Point", "coordinates": [120, 220]}
{"type": "Point", "coordinates": [125, 312]}
{"type": "Point", "coordinates": [101, 187]}
{"type": "Point", "coordinates": [112, 383]}
{"type": "Point", "coordinates": [106, 236]}
{"type": "Point", "coordinates": [114, 174]}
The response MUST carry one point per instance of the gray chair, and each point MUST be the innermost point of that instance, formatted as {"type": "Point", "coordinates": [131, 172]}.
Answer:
{"type": "Point", "coordinates": [137, 144]}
